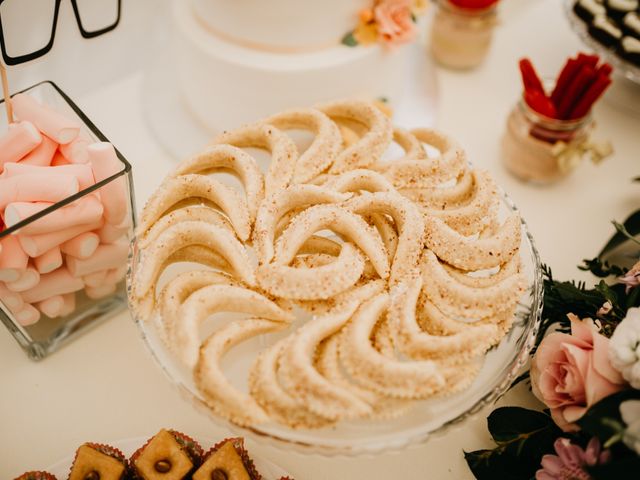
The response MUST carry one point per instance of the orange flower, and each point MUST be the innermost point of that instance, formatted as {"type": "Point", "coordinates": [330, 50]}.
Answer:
{"type": "Point", "coordinates": [394, 20]}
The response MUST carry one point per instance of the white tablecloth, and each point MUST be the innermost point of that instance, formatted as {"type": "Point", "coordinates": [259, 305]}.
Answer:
{"type": "Point", "coordinates": [105, 386]}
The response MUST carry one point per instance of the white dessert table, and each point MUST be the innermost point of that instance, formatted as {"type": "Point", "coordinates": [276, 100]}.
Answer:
{"type": "Point", "coordinates": [105, 386]}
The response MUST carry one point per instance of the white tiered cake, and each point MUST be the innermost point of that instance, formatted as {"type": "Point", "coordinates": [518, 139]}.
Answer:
{"type": "Point", "coordinates": [239, 60]}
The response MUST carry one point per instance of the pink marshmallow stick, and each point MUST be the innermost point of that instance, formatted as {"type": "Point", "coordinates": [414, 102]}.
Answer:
{"type": "Point", "coordinates": [42, 154]}
{"type": "Point", "coordinates": [28, 279]}
{"type": "Point", "coordinates": [52, 306]}
{"type": "Point", "coordinates": [28, 315]}
{"type": "Point", "coordinates": [115, 275]}
{"type": "Point", "coordinates": [59, 161]}
{"type": "Point", "coordinates": [84, 210]}
{"type": "Point", "coordinates": [82, 246]}
{"type": "Point", "coordinates": [105, 163]}
{"type": "Point", "coordinates": [13, 259]}
{"type": "Point", "coordinates": [58, 282]}
{"type": "Point", "coordinates": [104, 258]}
{"type": "Point", "coordinates": [83, 173]}
{"type": "Point", "coordinates": [36, 245]}
{"type": "Point", "coordinates": [101, 291]}
{"type": "Point", "coordinates": [95, 279]}
{"type": "Point", "coordinates": [48, 261]}
{"type": "Point", "coordinates": [21, 139]}
{"type": "Point", "coordinates": [76, 151]}
{"type": "Point", "coordinates": [69, 304]}
{"type": "Point", "coordinates": [9, 274]}
{"type": "Point", "coordinates": [12, 300]}
{"type": "Point", "coordinates": [112, 233]}
{"type": "Point", "coordinates": [36, 187]}
{"type": "Point", "coordinates": [54, 125]}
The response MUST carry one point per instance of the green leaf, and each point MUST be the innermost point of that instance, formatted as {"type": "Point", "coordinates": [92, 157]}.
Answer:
{"type": "Point", "coordinates": [522, 432]}
{"type": "Point", "coordinates": [350, 40]}
{"type": "Point", "coordinates": [603, 419]}
{"type": "Point", "coordinates": [631, 227]}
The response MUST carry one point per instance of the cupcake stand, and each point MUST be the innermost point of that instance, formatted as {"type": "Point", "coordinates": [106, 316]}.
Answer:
{"type": "Point", "coordinates": [106, 387]}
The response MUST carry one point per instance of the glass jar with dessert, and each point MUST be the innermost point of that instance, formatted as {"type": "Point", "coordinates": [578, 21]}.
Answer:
{"type": "Point", "coordinates": [548, 132]}
{"type": "Point", "coordinates": [462, 32]}
{"type": "Point", "coordinates": [540, 149]}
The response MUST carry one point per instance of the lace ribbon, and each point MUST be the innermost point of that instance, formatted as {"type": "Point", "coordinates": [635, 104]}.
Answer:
{"type": "Point", "coordinates": [569, 155]}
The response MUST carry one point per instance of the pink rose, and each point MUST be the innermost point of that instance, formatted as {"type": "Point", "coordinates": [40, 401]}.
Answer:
{"type": "Point", "coordinates": [395, 25]}
{"type": "Point", "coordinates": [569, 373]}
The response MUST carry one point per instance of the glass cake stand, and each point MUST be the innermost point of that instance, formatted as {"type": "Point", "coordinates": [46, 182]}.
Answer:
{"type": "Point", "coordinates": [622, 67]}
{"type": "Point", "coordinates": [426, 419]}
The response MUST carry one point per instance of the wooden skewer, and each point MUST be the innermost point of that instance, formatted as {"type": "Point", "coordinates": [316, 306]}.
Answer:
{"type": "Point", "coordinates": [5, 92]}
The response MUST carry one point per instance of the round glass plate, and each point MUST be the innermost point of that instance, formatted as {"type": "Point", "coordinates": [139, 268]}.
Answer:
{"type": "Point", "coordinates": [428, 417]}
{"type": "Point", "coordinates": [268, 470]}
{"type": "Point", "coordinates": [579, 26]}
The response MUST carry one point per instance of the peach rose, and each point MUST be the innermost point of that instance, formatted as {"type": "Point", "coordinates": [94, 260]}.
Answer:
{"type": "Point", "coordinates": [569, 373]}
{"type": "Point", "coordinates": [395, 25]}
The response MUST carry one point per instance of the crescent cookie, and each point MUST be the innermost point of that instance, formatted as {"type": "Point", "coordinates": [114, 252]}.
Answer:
{"type": "Point", "coordinates": [324, 148]}
{"type": "Point", "coordinates": [429, 172]}
{"type": "Point", "coordinates": [375, 371]}
{"type": "Point", "coordinates": [213, 299]}
{"type": "Point", "coordinates": [175, 189]}
{"type": "Point", "coordinates": [409, 224]}
{"type": "Point", "coordinates": [265, 388]}
{"type": "Point", "coordinates": [201, 213]}
{"type": "Point", "coordinates": [178, 289]}
{"type": "Point", "coordinates": [154, 257]}
{"type": "Point", "coordinates": [367, 149]}
{"type": "Point", "coordinates": [339, 220]}
{"type": "Point", "coordinates": [417, 344]}
{"type": "Point", "coordinates": [358, 180]}
{"type": "Point", "coordinates": [313, 283]}
{"type": "Point", "coordinates": [219, 393]}
{"type": "Point", "coordinates": [277, 205]}
{"type": "Point", "coordinates": [284, 154]}
{"type": "Point", "coordinates": [300, 377]}
{"type": "Point", "coordinates": [227, 158]}
{"type": "Point", "coordinates": [467, 253]}
{"type": "Point", "coordinates": [464, 301]}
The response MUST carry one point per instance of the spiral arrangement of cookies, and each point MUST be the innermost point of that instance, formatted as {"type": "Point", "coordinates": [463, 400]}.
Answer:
{"type": "Point", "coordinates": [408, 273]}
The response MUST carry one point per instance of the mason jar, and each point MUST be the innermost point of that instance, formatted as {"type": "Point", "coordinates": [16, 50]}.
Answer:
{"type": "Point", "coordinates": [461, 37]}
{"type": "Point", "coordinates": [540, 149]}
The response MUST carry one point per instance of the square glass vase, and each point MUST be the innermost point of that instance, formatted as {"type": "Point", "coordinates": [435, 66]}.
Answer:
{"type": "Point", "coordinates": [88, 286]}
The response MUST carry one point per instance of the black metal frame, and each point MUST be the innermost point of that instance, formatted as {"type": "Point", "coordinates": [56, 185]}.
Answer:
{"type": "Point", "coordinates": [9, 60]}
